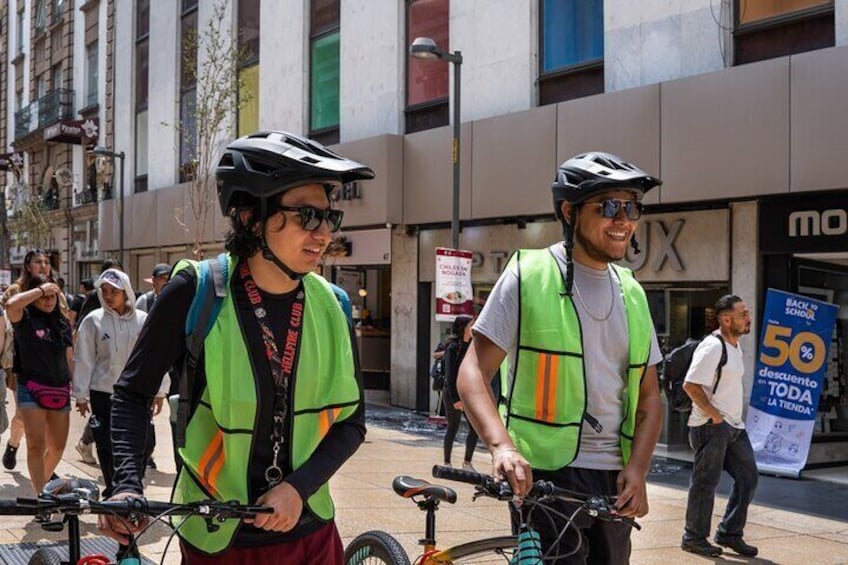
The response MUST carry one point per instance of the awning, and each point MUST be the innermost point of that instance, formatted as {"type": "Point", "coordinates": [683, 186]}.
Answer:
{"type": "Point", "coordinates": [76, 132]}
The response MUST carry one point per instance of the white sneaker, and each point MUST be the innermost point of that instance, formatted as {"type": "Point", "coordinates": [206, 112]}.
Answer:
{"type": "Point", "coordinates": [86, 453]}
{"type": "Point", "coordinates": [466, 465]}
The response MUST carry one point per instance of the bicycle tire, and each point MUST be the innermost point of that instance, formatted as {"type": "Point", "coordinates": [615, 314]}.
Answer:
{"type": "Point", "coordinates": [375, 548]}
{"type": "Point", "coordinates": [45, 556]}
{"type": "Point", "coordinates": [490, 550]}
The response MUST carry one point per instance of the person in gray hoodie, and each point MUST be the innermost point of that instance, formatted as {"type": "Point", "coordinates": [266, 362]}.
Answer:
{"type": "Point", "coordinates": [104, 341]}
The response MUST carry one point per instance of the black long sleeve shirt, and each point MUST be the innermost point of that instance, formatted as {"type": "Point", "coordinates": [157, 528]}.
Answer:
{"type": "Point", "coordinates": [161, 345]}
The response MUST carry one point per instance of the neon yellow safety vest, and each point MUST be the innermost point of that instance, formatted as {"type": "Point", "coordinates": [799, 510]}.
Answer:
{"type": "Point", "coordinates": [220, 433]}
{"type": "Point", "coordinates": [546, 396]}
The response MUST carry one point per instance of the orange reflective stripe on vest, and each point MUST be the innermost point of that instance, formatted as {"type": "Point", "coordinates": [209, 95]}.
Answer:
{"type": "Point", "coordinates": [212, 461]}
{"type": "Point", "coordinates": [546, 372]}
{"type": "Point", "coordinates": [328, 416]}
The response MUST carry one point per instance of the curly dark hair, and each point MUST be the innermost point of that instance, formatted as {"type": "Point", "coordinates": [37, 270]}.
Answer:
{"type": "Point", "coordinates": [244, 239]}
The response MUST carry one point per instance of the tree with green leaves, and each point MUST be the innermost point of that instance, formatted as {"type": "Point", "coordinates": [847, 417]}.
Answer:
{"type": "Point", "coordinates": [210, 63]}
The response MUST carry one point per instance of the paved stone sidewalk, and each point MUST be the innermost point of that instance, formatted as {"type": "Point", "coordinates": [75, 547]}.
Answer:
{"type": "Point", "coordinates": [365, 501]}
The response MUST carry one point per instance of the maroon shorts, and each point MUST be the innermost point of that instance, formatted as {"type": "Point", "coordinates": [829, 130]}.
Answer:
{"type": "Point", "coordinates": [323, 547]}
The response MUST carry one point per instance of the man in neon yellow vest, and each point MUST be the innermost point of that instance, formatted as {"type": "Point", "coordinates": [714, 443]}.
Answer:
{"type": "Point", "coordinates": [276, 404]}
{"type": "Point", "coordinates": [581, 403]}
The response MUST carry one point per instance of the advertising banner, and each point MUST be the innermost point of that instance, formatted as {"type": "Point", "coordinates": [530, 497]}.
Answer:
{"type": "Point", "coordinates": [792, 361]}
{"type": "Point", "coordinates": [454, 295]}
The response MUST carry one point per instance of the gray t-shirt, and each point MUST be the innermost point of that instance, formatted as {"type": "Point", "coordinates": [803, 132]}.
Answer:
{"type": "Point", "coordinates": [597, 298]}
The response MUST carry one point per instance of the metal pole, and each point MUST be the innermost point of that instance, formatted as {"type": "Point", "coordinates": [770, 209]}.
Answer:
{"type": "Point", "coordinates": [121, 156]}
{"type": "Point", "coordinates": [456, 59]}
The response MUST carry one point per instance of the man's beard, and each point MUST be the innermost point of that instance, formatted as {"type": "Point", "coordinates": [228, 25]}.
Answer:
{"type": "Point", "coordinates": [593, 251]}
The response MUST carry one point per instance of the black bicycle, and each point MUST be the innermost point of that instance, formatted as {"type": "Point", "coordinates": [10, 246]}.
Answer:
{"type": "Point", "coordinates": [71, 498]}
{"type": "Point", "coordinates": [378, 547]}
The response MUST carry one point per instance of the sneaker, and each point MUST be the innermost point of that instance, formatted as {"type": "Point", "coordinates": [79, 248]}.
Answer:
{"type": "Point", "coordinates": [86, 453]}
{"type": "Point", "coordinates": [701, 547]}
{"type": "Point", "coordinates": [738, 545]}
{"type": "Point", "coordinates": [467, 466]}
{"type": "Point", "coordinates": [10, 458]}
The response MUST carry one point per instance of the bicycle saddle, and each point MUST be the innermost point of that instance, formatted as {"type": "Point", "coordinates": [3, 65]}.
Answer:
{"type": "Point", "coordinates": [83, 487]}
{"type": "Point", "coordinates": [409, 487]}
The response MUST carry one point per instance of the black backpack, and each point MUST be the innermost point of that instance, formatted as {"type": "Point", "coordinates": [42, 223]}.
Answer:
{"type": "Point", "coordinates": [674, 368]}
{"type": "Point", "coordinates": [437, 373]}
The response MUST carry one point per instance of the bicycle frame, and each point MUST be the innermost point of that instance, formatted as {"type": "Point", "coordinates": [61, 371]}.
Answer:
{"type": "Point", "coordinates": [433, 556]}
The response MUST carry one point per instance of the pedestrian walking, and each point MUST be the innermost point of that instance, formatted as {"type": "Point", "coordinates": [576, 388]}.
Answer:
{"type": "Point", "coordinates": [36, 262]}
{"type": "Point", "coordinates": [455, 351]}
{"type": "Point", "coordinates": [717, 434]}
{"type": "Point", "coordinates": [103, 344]}
{"type": "Point", "coordinates": [44, 361]}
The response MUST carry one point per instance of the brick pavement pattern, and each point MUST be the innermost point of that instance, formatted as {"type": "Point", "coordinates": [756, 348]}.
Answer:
{"type": "Point", "coordinates": [365, 501]}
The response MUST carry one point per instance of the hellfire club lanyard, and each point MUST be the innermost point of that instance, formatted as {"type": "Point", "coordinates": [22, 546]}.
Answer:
{"type": "Point", "coordinates": [281, 365]}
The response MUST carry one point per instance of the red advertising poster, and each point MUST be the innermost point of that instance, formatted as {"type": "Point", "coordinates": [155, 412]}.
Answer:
{"type": "Point", "coordinates": [454, 295]}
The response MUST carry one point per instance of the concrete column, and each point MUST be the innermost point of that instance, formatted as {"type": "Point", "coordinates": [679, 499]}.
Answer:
{"type": "Point", "coordinates": [404, 318]}
{"type": "Point", "coordinates": [373, 64]}
{"type": "Point", "coordinates": [671, 40]}
{"type": "Point", "coordinates": [744, 277]}
{"type": "Point", "coordinates": [163, 99]}
{"type": "Point", "coordinates": [283, 78]}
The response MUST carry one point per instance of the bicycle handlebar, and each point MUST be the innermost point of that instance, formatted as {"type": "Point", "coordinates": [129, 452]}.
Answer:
{"type": "Point", "coordinates": [78, 503]}
{"type": "Point", "coordinates": [597, 506]}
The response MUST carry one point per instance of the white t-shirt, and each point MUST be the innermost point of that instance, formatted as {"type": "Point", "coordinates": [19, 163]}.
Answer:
{"type": "Point", "coordinates": [729, 395]}
{"type": "Point", "coordinates": [605, 351]}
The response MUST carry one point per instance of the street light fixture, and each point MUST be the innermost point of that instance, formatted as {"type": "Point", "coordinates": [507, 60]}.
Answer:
{"type": "Point", "coordinates": [101, 151]}
{"type": "Point", "coordinates": [425, 48]}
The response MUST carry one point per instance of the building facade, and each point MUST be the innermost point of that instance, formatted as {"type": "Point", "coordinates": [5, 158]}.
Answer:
{"type": "Point", "coordinates": [739, 107]}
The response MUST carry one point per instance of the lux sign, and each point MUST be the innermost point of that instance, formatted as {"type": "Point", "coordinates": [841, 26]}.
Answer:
{"type": "Point", "coordinates": [812, 222]}
{"type": "Point", "coordinates": [665, 251]}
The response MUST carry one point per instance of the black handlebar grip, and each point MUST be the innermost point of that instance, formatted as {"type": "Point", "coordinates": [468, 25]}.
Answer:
{"type": "Point", "coordinates": [459, 475]}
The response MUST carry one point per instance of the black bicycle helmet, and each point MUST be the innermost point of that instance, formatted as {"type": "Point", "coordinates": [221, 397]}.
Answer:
{"type": "Point", "coordinates": [585, 175]}
{"type": "Point", "coordinates": [268, 163]}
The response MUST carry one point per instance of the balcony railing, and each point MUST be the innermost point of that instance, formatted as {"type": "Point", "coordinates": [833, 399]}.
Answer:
{"type": "Point", "coordinates": [54, 106]}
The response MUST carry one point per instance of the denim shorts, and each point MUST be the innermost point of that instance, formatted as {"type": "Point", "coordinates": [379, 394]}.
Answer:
{"type": "Point", "coordinates": [27, 402]}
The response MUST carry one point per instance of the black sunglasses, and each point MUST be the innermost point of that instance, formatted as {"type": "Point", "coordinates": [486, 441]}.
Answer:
{"type": "Point", "coordinates": [311, 217]}
{"type": "Point", "coordinates": [611, 206]}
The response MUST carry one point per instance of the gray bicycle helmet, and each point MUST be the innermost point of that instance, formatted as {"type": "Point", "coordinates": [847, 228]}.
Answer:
{"type": "Point", "coordinates": [268, 163]}
{"type": "Point", "coordinates": [585, 175]}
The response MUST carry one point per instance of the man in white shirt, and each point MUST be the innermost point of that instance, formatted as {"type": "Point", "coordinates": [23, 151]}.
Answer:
{"type": "Point", "coordinates": [717, 434]}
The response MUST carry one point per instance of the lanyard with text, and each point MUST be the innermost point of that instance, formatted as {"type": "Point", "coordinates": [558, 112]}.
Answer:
{"type": "Point", "coordinates": [281, 365]}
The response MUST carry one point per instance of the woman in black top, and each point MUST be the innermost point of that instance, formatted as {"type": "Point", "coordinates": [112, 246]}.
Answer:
{"type": "Point", "coordinates": [44, 351]}
{"type": "Point", "coordinates": [454, 353]}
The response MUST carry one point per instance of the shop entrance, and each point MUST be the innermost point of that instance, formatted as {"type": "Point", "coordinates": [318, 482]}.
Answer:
{"type": "Point", "coordinates": [369, 289]}
{"type": "Point", "coordinates": [680, 313]}
{"type": "Point", "coordinates": [825, 277]}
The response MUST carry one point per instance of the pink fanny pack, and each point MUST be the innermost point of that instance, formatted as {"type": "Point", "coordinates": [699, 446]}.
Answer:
{"type": "Point", "coordinates": [50, 397]}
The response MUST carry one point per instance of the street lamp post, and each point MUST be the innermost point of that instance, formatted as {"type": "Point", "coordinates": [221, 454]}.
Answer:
{"type": "Point", "coordinates": [425, 48]}
{"type": "Point", "coordinates": [101, 151]}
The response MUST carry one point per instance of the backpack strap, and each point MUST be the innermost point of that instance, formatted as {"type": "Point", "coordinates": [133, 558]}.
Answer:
{"type": "Point", "coordinates": [722, 362]}
{"type": "Point", "coordinates": [208, 297]}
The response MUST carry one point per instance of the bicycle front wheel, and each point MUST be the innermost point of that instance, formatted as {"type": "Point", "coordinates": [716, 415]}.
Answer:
{"type": "Point", "coordinates": [45, 556]}
{"type": "Point", "coordinates": [375, 548]}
